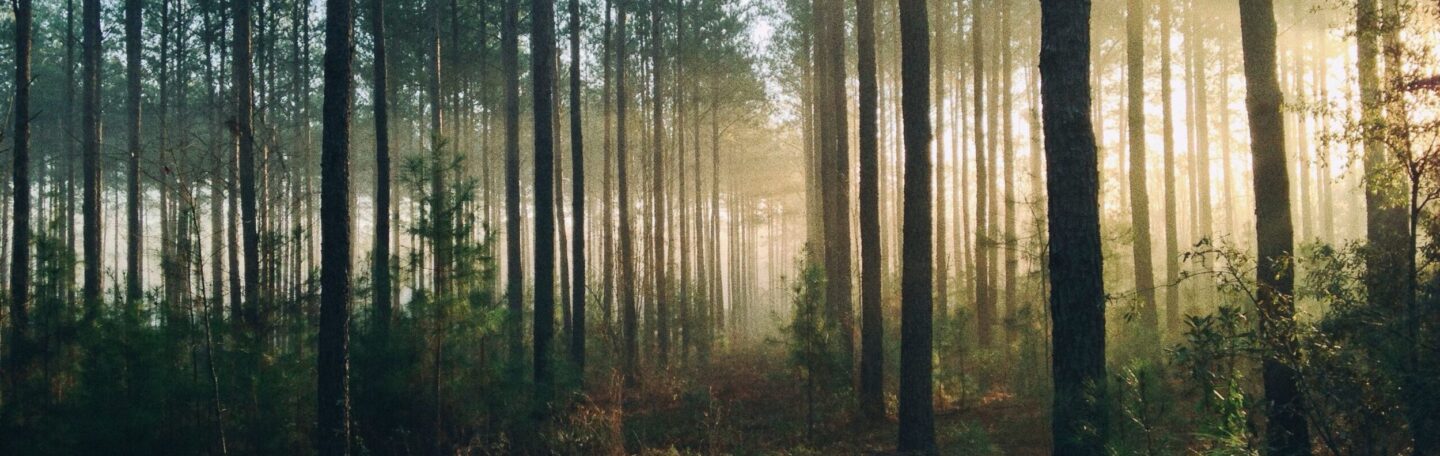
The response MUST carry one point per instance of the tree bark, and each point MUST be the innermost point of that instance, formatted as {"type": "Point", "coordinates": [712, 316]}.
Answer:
{"type": "Point", "coordinates": [1077, 293]}
{"type": "Point", "coordinates": [18, 356]}
{"type": "Point", "coordinates": [917, 408]}
{"type": "Point", "coordinates": [630, 354]}
{"type": "Point", "coordinates": [134, 233]}
{"type": "Point", "coordinates": [333, 391]}
{"type": "Point", "coordinates": [514, 276]}
{"type": "Point", "coordinates": [90, 123]}
{"type": "Point", "coordinates": [380, 92]}
{"type": "Point", "coordinates": [872, 350]}
{"type": "Point", "coordinates": [833, 155]}
{"type": "Point", "coordinates": [577, 197]}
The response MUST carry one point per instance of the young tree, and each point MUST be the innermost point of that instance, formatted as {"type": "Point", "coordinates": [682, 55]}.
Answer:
{"type": "Point", "coordinates": [134, 233]}
{"type": "Point", "coordinates": [1077, 292]}
{"type": "Point", "coordinates": [332, 357]}
{"type": "Point", "coordinates": [917, 408]}
{"type": "Point", "coordinates": [1287, 433]}
{"type": "Point", "coordinates": [542, 76]}
{"type": "Point", "coordinates": [872, 350]}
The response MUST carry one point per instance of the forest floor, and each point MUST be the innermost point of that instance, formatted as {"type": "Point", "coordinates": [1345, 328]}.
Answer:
{"type": "Point", "coordinates": [749, 402]}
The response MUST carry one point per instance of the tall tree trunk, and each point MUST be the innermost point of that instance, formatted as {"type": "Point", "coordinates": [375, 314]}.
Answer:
{"type": "Point", "coordinates": [630, 353]}
{"type": "Point", "coordinates": [608, 265]}
{"type": "Point", "coordinates": [245, 132]}
{"type": "Point", "coordinates": [514, 276]}
{"type": "Point", "coordinates": [17, 358]}
{"type": "Point", "coordinates": [1077, 290]}
{"type": "Point", "coordinates": [577, 198]}
{"type": "Point", "coordinates": [872, 350]}
{"type": "Point", "coordinates": [1139, 195]}
{"type": "Point", "coordinates": [657, 182]}
{"type": "Point", "coordinates": [134, 234]}
{"type": "Point", "coordinates": [942, 254]}
{"type": "Point", "coordinates": [380, 92]}
{"type": "Point", "coordinates": [542, 70]}
{"type": "Point", "coordinates": [90, 123]}
{"type": "Point", "coordinates": [1172, 222]}
{"type": "Point", "coordinates": [917, 408]}
{"type": "Point", "coordinates": [833, 155]}
{"type": "Point", "coordinates": [1287, 433]}
{"type": "Point", "coordinates": [984, 305]}
{"type": "Point", "coordinates": [332, 357]}
{"type": "Point", "coordinates": [1007, 109]}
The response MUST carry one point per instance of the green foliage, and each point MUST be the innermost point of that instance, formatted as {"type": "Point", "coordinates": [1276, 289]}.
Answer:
{"type": "Point", "coordinates": [814, 342]}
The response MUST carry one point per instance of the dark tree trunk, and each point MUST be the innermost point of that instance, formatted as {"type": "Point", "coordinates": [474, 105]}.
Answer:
{"type": "Point", "coordinates": [18, 356]}
{"type": "Point", "coordinates": [608, 265]}
{"type": "Point", "coordinates": [1077, 293]}
{"type": "Point", "coordinates": [134, 234]}
{"type": "Point", "coordinates": [1139, 196]}
{"type": "Point", "coordinates": [244, 129]}
{"type": "Point", "coordinates": [1286, 433]}
{"type": "Point", "coordinates": [872, 350]}
{"type": "Point", "coordinates": [542, 70]}
{"type": "Point", "coordinates": [917, 408]}
{"type": "Point", "coordinates": [380, 269]}
{"type": "Point", "coordinates": [333, 369]}
{"type": "Point", "coordinates": [577, 197]}
{"type": "Point", "coordinates": [90, 123]}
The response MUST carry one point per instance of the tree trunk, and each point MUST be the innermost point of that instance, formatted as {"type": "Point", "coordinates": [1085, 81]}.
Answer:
{"type": "Point", "coordinates": [630, 354]}
{"type": "Point", "coordinates": [1172, 222]}
{"type": "Point", "coordinates": [134, 234]}
{"type": "Point", "coordinates": [1077, 293]}
{"type": "Point", "coordinates": [1286, 433]}
{"type": "Point", "coordinates": [917, 408]}
{"type": "Point", "coordinates": [984, 306]}
{"type": "Point", "coordinates": [18, 355]}
{"type": "Point", "coordinates": [332, 357]}
{"type": "Point", "coordinates": [1139, 196]}
{"type": "Point", "coordinates": [577, 198]}
{"type": "Point", "coordinates": [514, 276]}
{"type": "Point", "coordinates": [90, 123]}
{"type": "Point", "coordinates": [380, 92]}
{"type": "Point", "coordinates": [542, 68]}
{"type": "Point", "coordinates": [833, 155]}
{"type": "Point", "coordinates": [872, 350]}
{"type": "Point", "coordinates": [245, 132]}
{"type": "Point", "coordinates": [657, 182]}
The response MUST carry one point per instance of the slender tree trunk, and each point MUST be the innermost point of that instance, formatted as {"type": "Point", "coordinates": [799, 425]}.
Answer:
{"type": "Point", "coordinates": [833, 155]}
{"type": "Point", "coordinates": [380, 92]}
{"type": "Point", "coordinates": [17, 357]}
{"type": "Point", "coordinates": [917, 408]}
{"type": "Point", "coordinates": [630, 354]}
{"type": "Point", "coordinates": [333, 390]}
{"type": "Point", "coordinates": [1077, 293]}
{"type": "Point", "coordinates": [657, 182]}
{"type": "Point", "coordinates": [607, 301]}
{"type": "Point", "coordinates": [1287, 433]}
{"type": "Point", "coordinates": [984, 306]}
{"type": "Point", "coordinates": [246, 134]}
{"type": "Point", "coordinates": [577, 197]}
{"type": "Point", "coordinates": [542, 58]}
{"type": "Point", "coordinates": [1172, 223]}
{"type": "Point", "coordinates": [1007, 109]}
{"type": "Point", "coordinates": [514, 276]}
{"type": "Point", "coordinates": [134, 234]}
{"type": "Point", "coordinates": [90, 123]}
{"type": "Point", "coordinates": [872, 351]}
{"type": "Point", "coordinates": [1139, 196]}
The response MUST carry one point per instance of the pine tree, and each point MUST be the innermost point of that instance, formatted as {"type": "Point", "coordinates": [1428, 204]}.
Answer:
{"type": "Point", "coordinates": [332, 357]}
{"type": "Point", "coordinates": [917, 408]}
